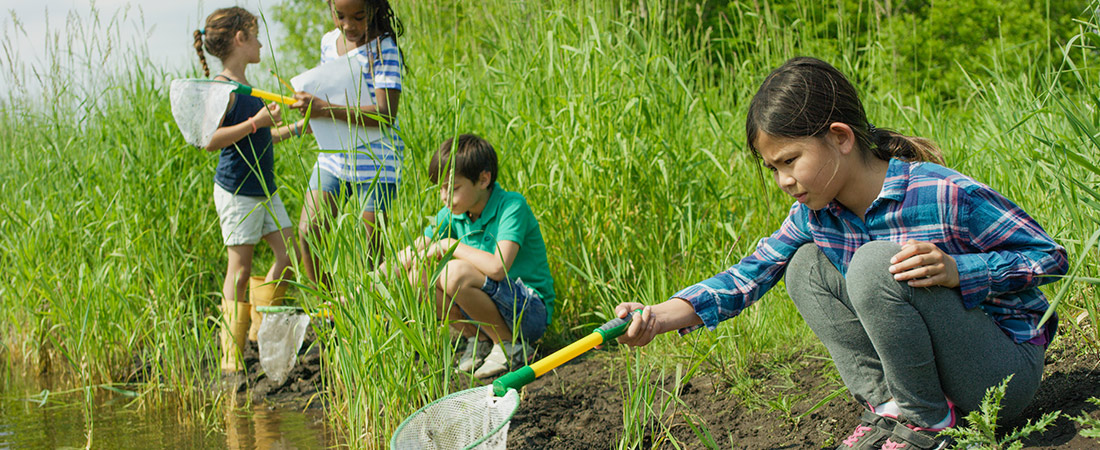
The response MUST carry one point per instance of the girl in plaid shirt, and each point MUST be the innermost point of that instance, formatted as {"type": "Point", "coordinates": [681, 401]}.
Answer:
{"type": "Point", "coordinates": [922, 283]}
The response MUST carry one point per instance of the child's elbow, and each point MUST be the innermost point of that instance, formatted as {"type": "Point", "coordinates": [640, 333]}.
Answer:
{"type": "Point", "coordinates": [1061, 261]}
{"type": "Point", "coordinates": [498, 274]}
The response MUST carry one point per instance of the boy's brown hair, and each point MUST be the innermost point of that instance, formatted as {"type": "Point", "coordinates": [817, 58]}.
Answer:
{"type": "Point", "coordinates": [467, 157]}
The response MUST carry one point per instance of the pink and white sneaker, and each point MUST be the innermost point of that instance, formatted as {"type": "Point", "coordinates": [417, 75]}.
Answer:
{"type": "Point", "coordinates": [871, 433]}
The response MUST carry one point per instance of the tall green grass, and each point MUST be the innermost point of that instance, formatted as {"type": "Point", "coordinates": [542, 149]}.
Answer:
{"type": "Point", "coordinates": [109, 244]}
{"type": "Point", "coordinates": [623, 128]}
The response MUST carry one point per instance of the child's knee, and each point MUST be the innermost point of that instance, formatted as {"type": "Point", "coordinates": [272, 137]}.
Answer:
{"type": "Point", "coordinates": [869, 281]}
{"type": "Point", "coordinates": [240, 274]}
{"type": "Point", "coordinates": [802, 263]}
{"type": "Point", "coordinates": [873, 258]}
{"type": "Point", "coordinates": [308, 227]}
{"type": "Point", "coordinates": [457, 274]}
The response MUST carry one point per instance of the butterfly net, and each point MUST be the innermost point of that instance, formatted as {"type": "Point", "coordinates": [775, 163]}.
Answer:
{"type": "Point", "coordinates": [198, 107]}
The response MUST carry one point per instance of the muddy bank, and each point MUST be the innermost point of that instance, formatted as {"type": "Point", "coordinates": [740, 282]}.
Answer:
{"type": "Point", "coordinates": [300, 389]}
{"type": "Point", "coordinates": [577, 407]}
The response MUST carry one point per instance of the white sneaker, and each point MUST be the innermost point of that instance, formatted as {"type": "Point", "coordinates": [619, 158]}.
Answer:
{"type": "Point", "coordinates": [502, 357]}
{"type": "Point", "coordinates": [475, 353]}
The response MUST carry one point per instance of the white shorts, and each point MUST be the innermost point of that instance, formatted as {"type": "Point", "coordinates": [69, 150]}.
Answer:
{"type": "Point", "coordinates": [246, 219]}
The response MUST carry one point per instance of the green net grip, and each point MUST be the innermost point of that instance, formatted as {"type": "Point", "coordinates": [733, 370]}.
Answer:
{"type": "Point", "coordinates": [513, 380]}
{"type": "Point", "coordinates": [615, 327]}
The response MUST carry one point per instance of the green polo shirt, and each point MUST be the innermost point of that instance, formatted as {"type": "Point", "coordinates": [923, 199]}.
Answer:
{"type": "Point", "coordinates": [506, 217]}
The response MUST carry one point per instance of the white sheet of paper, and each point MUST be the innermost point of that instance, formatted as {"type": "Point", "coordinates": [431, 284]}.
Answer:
{"type": "Point", "coordinates": [340, 82]}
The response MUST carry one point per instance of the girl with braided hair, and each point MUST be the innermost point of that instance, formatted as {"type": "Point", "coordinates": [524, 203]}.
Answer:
{"type": "Point", "coordinates": [249, 208]}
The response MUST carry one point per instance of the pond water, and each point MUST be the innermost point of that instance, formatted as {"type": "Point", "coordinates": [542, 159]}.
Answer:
{"type": "Point", "coordinates": [33, 415]}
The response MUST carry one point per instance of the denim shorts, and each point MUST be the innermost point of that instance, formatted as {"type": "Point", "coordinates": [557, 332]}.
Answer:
{"type": "Point", "coordinates": [373, 196]}
{"type": "Point", "coordinates": [518, 304]}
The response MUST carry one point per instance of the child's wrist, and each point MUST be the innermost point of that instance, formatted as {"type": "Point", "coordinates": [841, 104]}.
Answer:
{"type": "Point", "coordinates": [252, 121]}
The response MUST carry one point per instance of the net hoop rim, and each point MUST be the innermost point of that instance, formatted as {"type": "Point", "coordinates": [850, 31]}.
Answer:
{"type": "Point", "coordinates": [492, 432]}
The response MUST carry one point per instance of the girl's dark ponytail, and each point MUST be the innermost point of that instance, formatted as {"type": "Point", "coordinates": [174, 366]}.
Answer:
{"type": "Point", "coordinates": [385, 21]}
{"type": "Point", "coordinates": [888, 143]}
{"type": "Point", "coordinates": [804, 96]}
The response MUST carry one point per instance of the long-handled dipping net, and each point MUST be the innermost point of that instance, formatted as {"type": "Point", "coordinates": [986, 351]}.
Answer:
{"type": "Point", "coordinates": [198, 105]}
{"type": "Point", "coordinates": [478, 418]}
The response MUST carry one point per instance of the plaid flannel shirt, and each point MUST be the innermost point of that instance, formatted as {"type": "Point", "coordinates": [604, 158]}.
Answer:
{"type": "Point", "coordinates": [1002, 254]}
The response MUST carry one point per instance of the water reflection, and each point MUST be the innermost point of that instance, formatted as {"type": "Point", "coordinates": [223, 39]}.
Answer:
{"type": "Point", "coordinates": [265, 428]}
{"type": "Point", "coordinates": [34, 414]}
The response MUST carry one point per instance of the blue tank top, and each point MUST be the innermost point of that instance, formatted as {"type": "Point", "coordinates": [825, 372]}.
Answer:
{"type": "Point", "coordinates": [248, 166]}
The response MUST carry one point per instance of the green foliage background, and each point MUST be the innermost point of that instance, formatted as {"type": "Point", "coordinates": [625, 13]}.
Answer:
{"type": "Point", "coordinates": [932, 48]}
{"type": "Point", "coordinates": [621, 122]}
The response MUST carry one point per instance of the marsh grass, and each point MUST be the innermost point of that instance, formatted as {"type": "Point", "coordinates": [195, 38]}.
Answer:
{"type": "Point", "coordinates": [621, 126]}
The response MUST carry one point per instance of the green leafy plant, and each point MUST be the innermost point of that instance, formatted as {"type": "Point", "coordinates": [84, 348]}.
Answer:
{"type": "Point", "coordinates": [1092, 426]}
{"type": "Point", "coordinates": [981, 429]}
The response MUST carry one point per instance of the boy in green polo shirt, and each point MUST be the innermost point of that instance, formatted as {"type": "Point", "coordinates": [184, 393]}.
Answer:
{"type": "Point", "coordinates": [498, 277]}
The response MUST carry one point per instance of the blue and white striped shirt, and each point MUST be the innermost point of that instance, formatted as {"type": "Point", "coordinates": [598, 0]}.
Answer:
{"type": "Point", "coordinates": [1001, 252]}
{"type": "Point", "coordinates": [380, 63]}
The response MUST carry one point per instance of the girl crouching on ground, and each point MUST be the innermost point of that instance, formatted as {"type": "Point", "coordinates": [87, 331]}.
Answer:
{"type": "Point", "coordinates": [922, 283]}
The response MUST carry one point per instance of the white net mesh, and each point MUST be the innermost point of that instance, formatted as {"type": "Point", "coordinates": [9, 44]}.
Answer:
{"type": "Point", "coordinates": [198, 107]}
{"type": "Point", "coordinates": [280, 337]}
{"type": "Point", "coordinates": [473, 418]}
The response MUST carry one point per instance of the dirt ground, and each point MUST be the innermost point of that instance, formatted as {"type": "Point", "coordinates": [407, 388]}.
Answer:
{"type": "Point", "coordinates": [299, 390]}
{"type": "Point", "coordinates": [579, 406]}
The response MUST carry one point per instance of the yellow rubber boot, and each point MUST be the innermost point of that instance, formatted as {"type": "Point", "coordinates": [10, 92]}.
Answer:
{"type": "Point", "coordinates": [261, 294]}
{"type": "Point", "coordinates": [233, 334]}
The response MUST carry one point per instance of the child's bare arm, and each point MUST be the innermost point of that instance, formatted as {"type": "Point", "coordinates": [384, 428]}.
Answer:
{"type": "Point", "coordinates": [226, 136]}
{"type": "Point", "coordinates": [493, 265]}
{"type": "Point", "coordinates": [414, 252]}
{"type": "Point", "coordinates": [285, 132]}
{"type": "Point", "coordinates": [386, 109]}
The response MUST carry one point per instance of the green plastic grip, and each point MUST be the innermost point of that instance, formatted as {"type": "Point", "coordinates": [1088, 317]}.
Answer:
{"type": "Point", "coordinates": [615, 327]}
{"type": "Point", "coordinates": [513, 380]}
{"type": "Point", "coordinates": [241, 88]}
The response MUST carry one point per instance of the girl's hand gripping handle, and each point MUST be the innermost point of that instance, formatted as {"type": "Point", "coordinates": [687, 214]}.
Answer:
{"type": "Point", "coordinates": [616, 327]}
{"type": "Point", "coordinates": [268, 116]}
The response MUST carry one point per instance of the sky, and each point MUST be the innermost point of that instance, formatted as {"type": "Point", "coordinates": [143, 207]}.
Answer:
{"type": "Point", "coordinates": [168, 28]}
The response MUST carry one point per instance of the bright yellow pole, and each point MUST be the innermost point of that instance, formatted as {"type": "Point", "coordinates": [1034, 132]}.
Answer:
{"type": "Point", "coordinates": [566, 354]}
{"type": "Point", "coordinates": [273, 97]}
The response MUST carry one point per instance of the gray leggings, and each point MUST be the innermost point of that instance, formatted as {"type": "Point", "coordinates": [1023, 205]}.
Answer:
{"type": "Point", "coordinates": [915, 345]}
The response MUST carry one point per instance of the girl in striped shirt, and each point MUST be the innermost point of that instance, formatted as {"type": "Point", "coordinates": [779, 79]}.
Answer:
{"type": "Point", "coordinates": [922, 283]}
{"type": "Point", "coordinates": [368, 171]}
